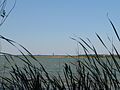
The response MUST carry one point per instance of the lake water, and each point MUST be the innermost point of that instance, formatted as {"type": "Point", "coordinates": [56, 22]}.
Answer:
{"type": "Point", "coordinates": [52, 65]}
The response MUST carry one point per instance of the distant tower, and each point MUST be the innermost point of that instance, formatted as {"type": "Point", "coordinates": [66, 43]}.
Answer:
{"type": "Point", "coordinates": [53, 54]}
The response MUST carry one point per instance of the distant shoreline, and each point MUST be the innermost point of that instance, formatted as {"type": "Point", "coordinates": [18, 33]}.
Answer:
{"type": "Point", "coordinates": [70, 56]}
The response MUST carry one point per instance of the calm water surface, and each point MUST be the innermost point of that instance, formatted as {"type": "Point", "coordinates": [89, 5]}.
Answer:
{"type": "Point", "coordinates": [52, 65]}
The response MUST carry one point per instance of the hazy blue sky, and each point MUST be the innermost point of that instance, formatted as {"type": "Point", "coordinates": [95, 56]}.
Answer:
{"type": "Point", "coordinates": [44, 26]}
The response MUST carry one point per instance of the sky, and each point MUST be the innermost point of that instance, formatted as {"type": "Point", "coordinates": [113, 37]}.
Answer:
{"type": "Point", "coordinates": [44, 27]}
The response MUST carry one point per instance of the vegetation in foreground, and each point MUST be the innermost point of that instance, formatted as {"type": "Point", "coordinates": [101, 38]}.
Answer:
{"type": "Point", "coordinates": [93, 73]}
